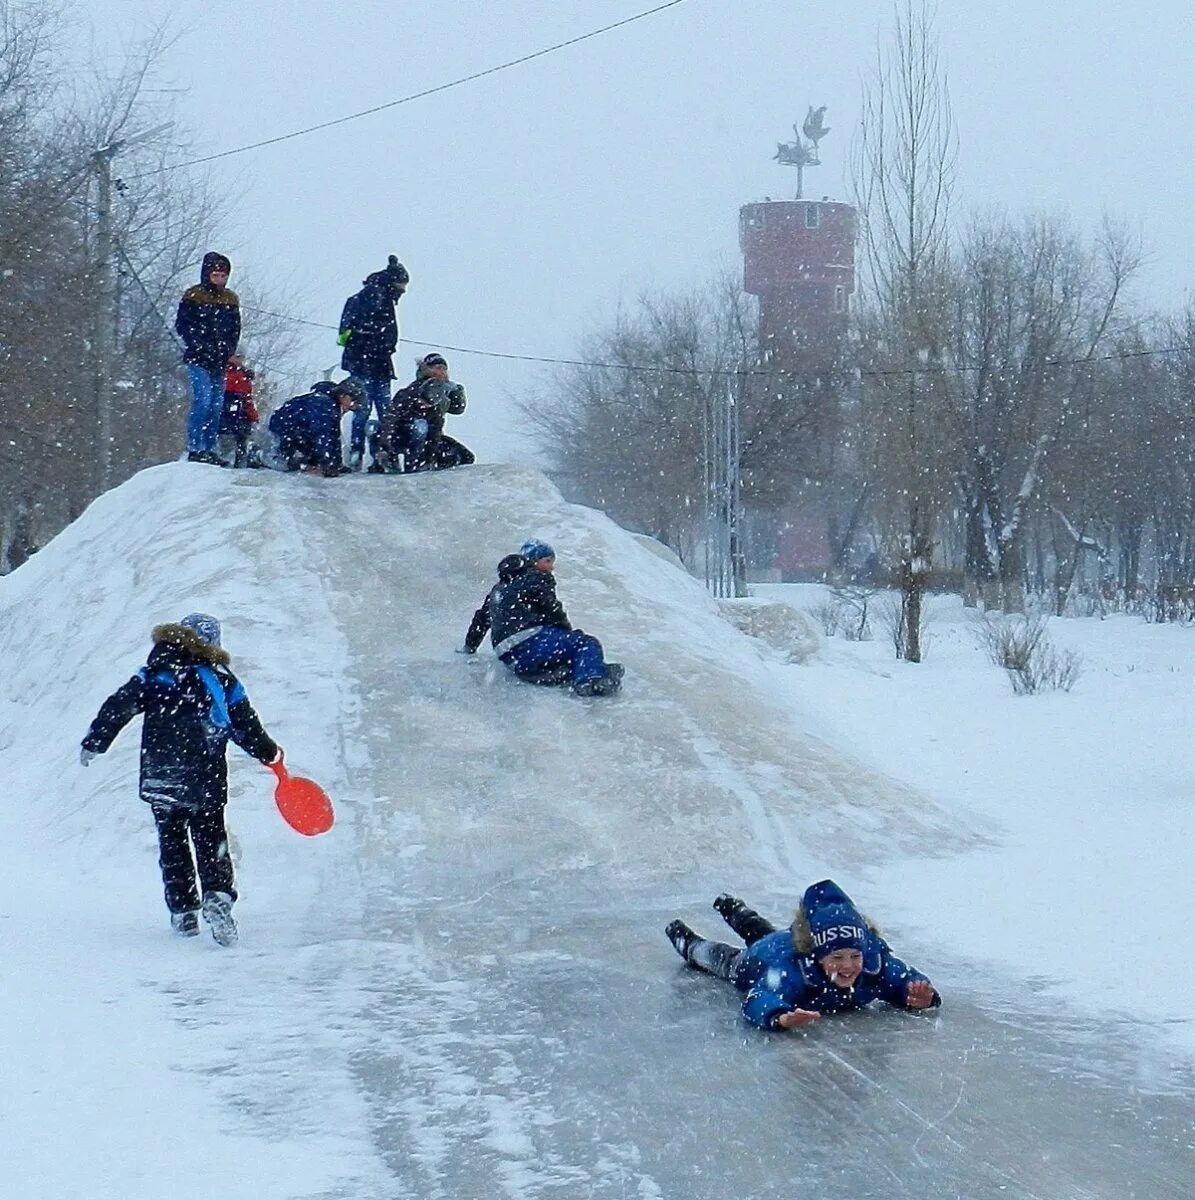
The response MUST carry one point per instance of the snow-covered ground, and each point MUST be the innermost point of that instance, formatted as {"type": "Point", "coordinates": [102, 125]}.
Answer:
{"type": "Point", "coordinates": [463, 990]}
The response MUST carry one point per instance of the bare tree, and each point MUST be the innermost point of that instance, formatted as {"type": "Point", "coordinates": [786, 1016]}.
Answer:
{"type": "Point", "coordinates": [65, 292]}
{"type": "Point", "coordinates": [1031, 308]}
{"type": "Point", "coordinates": [904, 169]}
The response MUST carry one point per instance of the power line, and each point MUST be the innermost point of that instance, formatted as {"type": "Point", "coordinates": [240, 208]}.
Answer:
{"type": "Point", "coordinates": [779, 372]}
{"type": "Point", "coordinates": [442, 87]}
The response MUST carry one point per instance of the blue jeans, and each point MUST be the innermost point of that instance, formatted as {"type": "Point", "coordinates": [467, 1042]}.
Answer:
{"type": "Point", "coordinates": [417, 433]}
{"type": "Point", "coordinates": [552, 646]}
{"type": "Point", "coordinates": [377, 395]}
{"type": "Point", "coordinates": [207, 404]}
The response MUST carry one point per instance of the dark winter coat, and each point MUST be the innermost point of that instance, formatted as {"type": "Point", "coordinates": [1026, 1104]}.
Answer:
{"type": "Point", "coordinates": [309, 425]}
{"type": "Point", "coordinates": [429, 399]}
{"type": "Point", "coordinates": [521, 603]}
{"type": "Point", "coordinates": [192, 705]}
{"type": "Point", "coordinates": [209, 321]}
{"type": "Point", "coordinates": [779, 972]}
{"type": "Point", "coordinates": [368, 327]}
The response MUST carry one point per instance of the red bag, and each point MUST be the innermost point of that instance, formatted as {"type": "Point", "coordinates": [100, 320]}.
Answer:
{"type": "Point", "coordinates": [304, 805]}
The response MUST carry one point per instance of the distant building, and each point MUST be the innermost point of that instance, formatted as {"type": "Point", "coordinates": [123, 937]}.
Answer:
{"type": "Point", "coordinates": [799, 259]}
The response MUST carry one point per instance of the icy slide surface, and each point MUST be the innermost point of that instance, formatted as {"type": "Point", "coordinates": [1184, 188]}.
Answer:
{"type": "Point", "coordinates": [464, 990]}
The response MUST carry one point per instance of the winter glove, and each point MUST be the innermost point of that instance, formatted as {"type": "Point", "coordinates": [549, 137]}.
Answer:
{"type": "Point", "coordinates": [85, 756]}
{"type": "Point", "coordinates": [279, 757]}
{"type": "Point", "coordinates": [343, 339]}
{"type": "Point", "coordinates": [466, 650]}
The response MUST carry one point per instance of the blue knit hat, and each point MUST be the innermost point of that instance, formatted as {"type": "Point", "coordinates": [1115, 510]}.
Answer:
{"type": "Point", "coordinates": [208, 628]}
{"type": "Point", "coordinates": [534, 550]}
{"type": "Point", "coordinates": [835, 924]}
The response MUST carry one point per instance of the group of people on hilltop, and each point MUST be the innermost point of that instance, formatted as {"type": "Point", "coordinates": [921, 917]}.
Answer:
{"type": "Point", "coordinates": [407, 434]}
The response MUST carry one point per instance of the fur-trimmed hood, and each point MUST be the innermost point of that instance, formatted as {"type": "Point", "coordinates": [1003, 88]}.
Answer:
{"type": "Point", "coordinates": [803, 935]}
{"type": "Point", "coordinates": [832, 904]}
{"type": "Point", "coordinates": [179, 637]}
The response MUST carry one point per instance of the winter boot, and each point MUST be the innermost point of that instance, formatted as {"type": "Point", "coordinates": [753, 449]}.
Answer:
{"type": "Point", "coordinates": [745, 921]}
{"type": "Point", "coordinates": [185, 924]}
{"type": "Point", "coordinates": [603, 685]}
{"type": "Point", "coordinates": [217, 912]}
{"type": "Point", "coordinates": [682, 938]}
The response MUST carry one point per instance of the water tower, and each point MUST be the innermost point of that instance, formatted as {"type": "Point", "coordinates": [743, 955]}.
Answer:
{"type": "Point", "coordinates": [799, 259]}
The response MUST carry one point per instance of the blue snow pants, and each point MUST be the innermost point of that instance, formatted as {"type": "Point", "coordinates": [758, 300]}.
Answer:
{"type": "Point", "coordinates": [207, 405]}
{"type": "Point", "coordinates": [377, 395]}
{"type": "Point", "coordinates": [552, 646]}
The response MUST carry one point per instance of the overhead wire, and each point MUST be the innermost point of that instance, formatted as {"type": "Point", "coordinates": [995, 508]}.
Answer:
{"type": "Point", "coordinates": [776, 372]}
{"type": "Point", "coordinates": [431, 91]}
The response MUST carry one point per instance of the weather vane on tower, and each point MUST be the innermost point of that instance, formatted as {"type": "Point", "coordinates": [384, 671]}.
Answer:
{"type": "Point", "coordinates": [802, 153]}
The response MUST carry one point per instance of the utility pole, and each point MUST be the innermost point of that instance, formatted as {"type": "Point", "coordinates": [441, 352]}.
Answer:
{"type": "Point", "coordinates": [725, 564]}
{"type": "Point", "coordinates": [734, 495]}
{"type": "Point", "coordinates": [103, 334]}
{"type": "Point", "coordinates": [105, 314]}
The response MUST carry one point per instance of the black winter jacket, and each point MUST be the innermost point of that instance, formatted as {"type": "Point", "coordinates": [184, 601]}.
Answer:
{"type": "Point", "coordinates": [522, 602]}
{"type": "Point", "coordinates": [429, 399]}
{"type": "Point", "coordinates": [209, 322]}
{"type": "Point", "coordinates": [193, 704]}
{"type": "Point", "coordinates": [369, 323]}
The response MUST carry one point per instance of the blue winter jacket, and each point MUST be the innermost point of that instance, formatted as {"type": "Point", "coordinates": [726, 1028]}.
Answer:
{"type": "Point", "coordinates": [776, 979]}
{"type": "Point", "coordinates": [311, 424]}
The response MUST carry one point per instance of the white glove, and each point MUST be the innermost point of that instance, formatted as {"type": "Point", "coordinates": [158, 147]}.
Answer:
{"type": "Point", "coordinates": [85, 756]}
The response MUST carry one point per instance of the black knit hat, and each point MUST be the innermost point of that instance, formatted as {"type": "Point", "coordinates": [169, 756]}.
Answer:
{"type": "Point", "coordinates": [397, 273]}
{"type": "Point", "coordinates": [214, 261]}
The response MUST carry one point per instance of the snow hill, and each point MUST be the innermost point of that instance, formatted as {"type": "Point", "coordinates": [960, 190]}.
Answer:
{"type": "Point", "coordinates": [462, 991]}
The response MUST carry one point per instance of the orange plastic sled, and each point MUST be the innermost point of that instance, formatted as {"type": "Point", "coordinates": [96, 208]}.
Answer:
{"type": "Point", "coordinates": [304, 805]}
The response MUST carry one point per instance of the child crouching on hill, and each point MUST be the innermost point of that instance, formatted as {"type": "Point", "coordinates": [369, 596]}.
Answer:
{"type": "Point", "coordinates": [830, 960]}
{"type": "Point", "coordinates": [192, 704]}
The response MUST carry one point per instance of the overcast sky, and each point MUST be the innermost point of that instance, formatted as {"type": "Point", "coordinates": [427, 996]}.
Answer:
{"type": "Point", "coordinates": [528, 205]}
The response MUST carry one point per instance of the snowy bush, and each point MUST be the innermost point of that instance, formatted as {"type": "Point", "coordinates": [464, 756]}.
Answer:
{"type": "Point", "coordinates": [845, 611]}
{"type": "Point", "coordinates": [1023, 648]}
{"type": "Point", "coordinates": [855, 603]}
{"type": "Point", "coordinates": [828, 615]}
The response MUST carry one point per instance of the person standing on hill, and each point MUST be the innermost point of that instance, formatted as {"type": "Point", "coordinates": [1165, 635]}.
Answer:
{"type": "Point", "coordinates": [530, 632]}
{"type": "Point", "coordinates": [193, 706]}
{"type": "Point", "coordinates": [369, 335]}
{"type": "Point", "coordinates": [209, 323]}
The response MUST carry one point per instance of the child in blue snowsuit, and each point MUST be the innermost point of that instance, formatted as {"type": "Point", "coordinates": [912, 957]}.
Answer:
{"type": "Point", "coordinates": [193, 706]}
{"type": "Point", "coordinates": [830, 960]}
{"type": "Point", "coordinates": [306, 429]}
{"type": "Point", "coordinates": [531, 633]}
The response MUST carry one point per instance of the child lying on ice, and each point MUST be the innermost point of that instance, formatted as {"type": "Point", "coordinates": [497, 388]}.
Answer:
{"type": "Point", "coordinates": [830, 960]}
